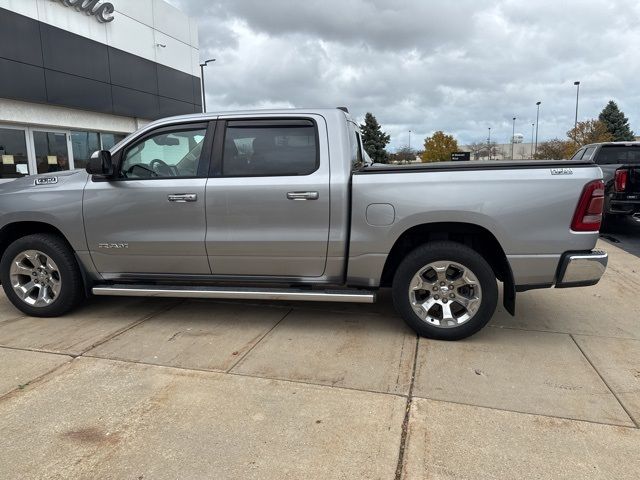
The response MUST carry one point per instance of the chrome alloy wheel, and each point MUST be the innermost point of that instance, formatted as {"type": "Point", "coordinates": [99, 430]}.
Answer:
{"type": "Point", "coordinates": [35, 278]}
{"type": "Point", "coordinates": [445, 294]}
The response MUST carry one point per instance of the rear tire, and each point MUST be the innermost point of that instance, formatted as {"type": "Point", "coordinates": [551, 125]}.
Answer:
{"type": "Point", "coordinates": [445, 291]}
{"type": "Point", "coordinates": [40, 276]}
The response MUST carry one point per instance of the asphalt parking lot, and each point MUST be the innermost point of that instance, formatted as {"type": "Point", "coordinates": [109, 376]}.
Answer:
{"type": "Point", "coordinates": [157, 389]}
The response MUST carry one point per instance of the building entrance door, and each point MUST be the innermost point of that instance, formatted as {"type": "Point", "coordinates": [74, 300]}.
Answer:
{"type": "Point", "coordinates": [52, 151]}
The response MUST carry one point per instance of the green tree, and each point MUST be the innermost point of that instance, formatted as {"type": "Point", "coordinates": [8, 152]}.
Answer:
{"type": "Point", "coordinates": [374, 139]}
{"type": "Point", "coordinates": [439, 147]}
{"type": "Point", "coordinates": [617, 124]}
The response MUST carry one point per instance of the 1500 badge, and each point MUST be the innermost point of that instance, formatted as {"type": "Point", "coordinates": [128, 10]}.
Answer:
{"type": "Point", "coordinates": [46, 180]}
{"type": "Point", "coordinates": [113, 245]}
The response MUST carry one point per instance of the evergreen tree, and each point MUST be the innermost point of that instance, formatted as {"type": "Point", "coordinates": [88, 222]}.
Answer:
{"type": "Point", "coordinates": [374, 139]}
{"type": "Point", "coordinates": [617, 124]}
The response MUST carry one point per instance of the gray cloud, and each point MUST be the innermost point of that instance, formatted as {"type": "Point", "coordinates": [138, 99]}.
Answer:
{"type": "Point", "coordinates": [422, 65]}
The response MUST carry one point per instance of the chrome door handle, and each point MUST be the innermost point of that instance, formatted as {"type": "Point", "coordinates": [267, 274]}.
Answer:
{"type": "Point", "coordinates": [183, 197]}
{"type": "Point", "coordinates": [303, 195]}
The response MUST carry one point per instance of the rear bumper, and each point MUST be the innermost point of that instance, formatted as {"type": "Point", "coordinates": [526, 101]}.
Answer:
{"type": "Point", "coordinates": [623, 207]}
{"type": "Point", "coordinates": [581, 269]}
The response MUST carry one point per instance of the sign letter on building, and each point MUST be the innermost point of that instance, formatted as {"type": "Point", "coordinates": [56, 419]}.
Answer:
{"type": "Point", "coordinates": [102, 11]}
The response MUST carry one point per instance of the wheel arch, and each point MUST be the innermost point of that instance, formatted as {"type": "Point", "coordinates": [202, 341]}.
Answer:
{"type": "Point", "coordinates": [474, 236]}
{"type": "Point", "coordinates": [15, 230]}
{"type": "Point", "coordinates": [11, 232]}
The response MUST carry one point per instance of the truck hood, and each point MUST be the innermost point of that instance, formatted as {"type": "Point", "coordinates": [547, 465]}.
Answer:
{"type": "Point", "coordinates": [45, 181]}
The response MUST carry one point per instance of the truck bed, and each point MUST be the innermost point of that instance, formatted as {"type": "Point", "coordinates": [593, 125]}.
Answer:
{"type": "Point", "coordinates": [527, 206]}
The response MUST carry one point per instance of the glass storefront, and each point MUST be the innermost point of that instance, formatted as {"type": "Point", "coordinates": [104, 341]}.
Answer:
{"type": "Point", "coordinates": [83, 145]}
{"type": "Point", "coordinates": [110, 139]}
{"type": "Point", "coordinates": [51, 151]}
{"type": "Point", "coordinates": [27, 150]}
{"type": "Point", "coordinates": [13, 153]}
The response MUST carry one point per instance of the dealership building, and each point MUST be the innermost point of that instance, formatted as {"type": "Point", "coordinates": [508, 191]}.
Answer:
{"type": "Point", "coordinates": [78, 75]}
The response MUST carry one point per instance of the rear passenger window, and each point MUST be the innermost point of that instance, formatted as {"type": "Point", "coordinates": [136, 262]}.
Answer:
{"type": "Point", "coordinates": [270, 148]}
{"type": "Point", "coordinates": [578, 155]}
{"type": "Point", "coordinates": [588, 152]}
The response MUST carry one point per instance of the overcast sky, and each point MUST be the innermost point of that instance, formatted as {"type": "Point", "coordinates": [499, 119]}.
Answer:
{"type": "Point", "coordinates": [424, 65]}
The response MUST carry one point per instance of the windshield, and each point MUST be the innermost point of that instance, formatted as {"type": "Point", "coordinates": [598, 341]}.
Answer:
{"type": "Point", "coordinates": [614, 154]}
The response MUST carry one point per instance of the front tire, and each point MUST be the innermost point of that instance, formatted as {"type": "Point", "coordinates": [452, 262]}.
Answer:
{"type": "Point", "coordinates": [40, 276]}
{"type": "Point", "coordinates": [445, 291]}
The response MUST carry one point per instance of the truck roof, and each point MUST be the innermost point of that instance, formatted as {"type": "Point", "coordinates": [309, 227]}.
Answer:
{"type": "Point", "coordinates": [630, 144]}
{"type": "Point", "coordinates": [276, 111]}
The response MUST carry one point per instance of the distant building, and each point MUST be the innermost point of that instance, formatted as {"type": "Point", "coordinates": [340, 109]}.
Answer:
{"type": "Point", "coordinates": [500, 151]}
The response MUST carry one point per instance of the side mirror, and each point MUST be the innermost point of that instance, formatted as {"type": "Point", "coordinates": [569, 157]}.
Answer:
{"type": "Point", "coordinates": [100, 164]}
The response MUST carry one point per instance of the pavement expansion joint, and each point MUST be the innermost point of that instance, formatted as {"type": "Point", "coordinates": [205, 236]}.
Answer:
{"type": "Point", "coordinates": [407, 413]}
{"type": "Point", "coordinates": [626, 410]}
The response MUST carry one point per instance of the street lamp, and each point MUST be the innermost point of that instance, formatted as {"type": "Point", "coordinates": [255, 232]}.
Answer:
{"type": "Point", "coordinates": [513, 138]}
{"type": "Point", "coordinates": [532, 130]}
{"type": "Point", "coordinates": [575, 125]}
{"type": "Point", "coordinates": [535, 152]}
{"type": "Point", "coordinates": [204, 94]}
{"type": "Point", "coordinates": [489, 142]}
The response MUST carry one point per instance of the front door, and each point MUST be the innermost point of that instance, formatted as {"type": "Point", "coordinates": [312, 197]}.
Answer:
{"type": "Point", "coordinates": [268, 200]}
{"type": "Point", "coordinates": [151, 218]}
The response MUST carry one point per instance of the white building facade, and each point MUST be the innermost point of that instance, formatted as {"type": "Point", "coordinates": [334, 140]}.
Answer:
{"type": "Point", "coordinates": [78, 75]}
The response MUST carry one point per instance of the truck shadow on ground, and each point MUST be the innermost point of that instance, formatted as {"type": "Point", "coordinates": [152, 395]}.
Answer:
{"type": "Point", "coordinates": [624, 234]}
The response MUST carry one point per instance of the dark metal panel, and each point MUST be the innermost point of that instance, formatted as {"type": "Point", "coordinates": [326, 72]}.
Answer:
{"type": "Point", "coordinates": [69, 90]}
{"type": "Point", "coordinates": [22, 82]}
{"type": "Point", "coordinates": [170, 107]}
{"type": "Point", "coordinates": [133, 103]}
{"type": "Point", "coordinates": [131, 71]}
{"type": "Point", "coordinates": [175, 84]}
{"type": "Point", "coordinates": [85, 74]}
{"type": "Point", "coordinates": [70, 53]}
{"type": "Point", "coordinates": [20, 38]}
{"type": "Point", "coordinates": [197, 91]}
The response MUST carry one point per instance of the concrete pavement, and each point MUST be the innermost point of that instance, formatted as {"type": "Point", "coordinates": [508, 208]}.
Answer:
{"type": "Point", "coordinates": [146, 389]}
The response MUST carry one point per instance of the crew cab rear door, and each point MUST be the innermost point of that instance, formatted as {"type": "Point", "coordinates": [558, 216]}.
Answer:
{"type": "Point", "coordinates": [267, 198]}
{"type": "Point", "coordinates": [150, 218]}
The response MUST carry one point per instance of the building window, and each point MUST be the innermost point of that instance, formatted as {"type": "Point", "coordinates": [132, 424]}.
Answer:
{"type": "Point", "coordinates": [52, 152]}
{"type": "Point", "coordinates": [110, 139]}
{"type": "Point", "coordinates": [13, 153]}
{"type": "Point", "coordinates": [84, 144]}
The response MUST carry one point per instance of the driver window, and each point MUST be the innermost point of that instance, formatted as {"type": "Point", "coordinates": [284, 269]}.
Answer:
{"type": "Point", "coordinates": [167, 154]}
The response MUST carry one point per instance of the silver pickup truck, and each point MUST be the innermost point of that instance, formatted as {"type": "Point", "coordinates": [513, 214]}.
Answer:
{"type": "Point", "coordinates": [286, 205]}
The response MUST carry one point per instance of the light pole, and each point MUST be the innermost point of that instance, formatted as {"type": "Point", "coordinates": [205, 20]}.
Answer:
{"type": "Point", "coordinates": [532, 130]}
{"type": "Point", "coordinates": [513, 138]}
{"type": "Point", "coordinates": [575, 125]}
{"type": "Point", "coordinates": [535, 152]}
{"type": "Point", "coordinates": [489, 142]}
{"type": "Point", "coordinates": [409, 140]}
{"type": "Point", "coordinates": [204, 94]}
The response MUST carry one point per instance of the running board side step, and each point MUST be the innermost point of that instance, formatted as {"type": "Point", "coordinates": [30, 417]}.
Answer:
{"type": "Point", "coordinates": [345, 296]}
